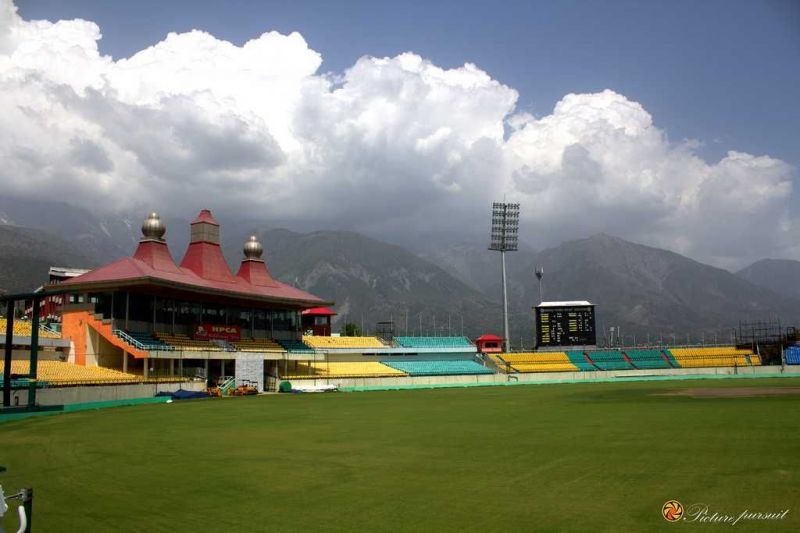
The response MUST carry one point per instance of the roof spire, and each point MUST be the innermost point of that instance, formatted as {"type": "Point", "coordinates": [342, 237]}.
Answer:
{"type": "Point", "coordinates": [153, 228]}
{"type": "Point", "coordinates": [253, 248]}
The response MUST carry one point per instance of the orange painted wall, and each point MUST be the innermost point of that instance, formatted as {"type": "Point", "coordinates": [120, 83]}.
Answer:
{"type": "Point", "coordinates": [73, 328]}
{"type": "Point", "coordinates": [76, 325]}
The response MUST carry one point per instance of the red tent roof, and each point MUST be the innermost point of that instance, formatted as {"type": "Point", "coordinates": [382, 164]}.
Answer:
{"type": "Point", "coordinates": [206, 260]}
{"type": "Point", "coordinates": [202, 270]}
{"type": "Point", "coordinates": [205, 216]}
{"type": "Point", "coordinates": [489, 337]}
{"type": "Point", "coordinates": [318, 311]}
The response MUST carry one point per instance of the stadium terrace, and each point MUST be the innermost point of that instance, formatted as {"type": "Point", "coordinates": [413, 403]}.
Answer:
{"type": "Point", "coordinates": [150, 321]}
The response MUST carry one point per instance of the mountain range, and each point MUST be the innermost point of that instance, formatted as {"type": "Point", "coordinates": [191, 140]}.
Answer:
{"type": "Point", "coordinates": [437, 289]}
{"type": "Point", "coordinates": [780, 275]}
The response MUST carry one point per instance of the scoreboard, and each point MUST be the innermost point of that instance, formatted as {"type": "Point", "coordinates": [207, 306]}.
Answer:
{"type": "Point", "coordinates": [565, 324]}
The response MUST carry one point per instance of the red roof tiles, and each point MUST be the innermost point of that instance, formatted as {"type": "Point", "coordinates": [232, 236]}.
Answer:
{"type": "Point", "coordinates": [203, 269]}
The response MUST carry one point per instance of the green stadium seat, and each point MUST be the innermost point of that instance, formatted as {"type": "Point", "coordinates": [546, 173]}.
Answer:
{"type": "Point", "coordinates": [646, 359]}
{"type": "Point", "coordinates": [439, 368]}
{"type": "Point", "coordinates": [577, 359]}
{"type": "Point", "coordinates": [433, 342]}
{"type": "Point", "coordinates": [609, 360]}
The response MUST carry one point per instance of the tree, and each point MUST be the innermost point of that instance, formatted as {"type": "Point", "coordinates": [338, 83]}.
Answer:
{"type": "Point", "coordinates": [351, 329]}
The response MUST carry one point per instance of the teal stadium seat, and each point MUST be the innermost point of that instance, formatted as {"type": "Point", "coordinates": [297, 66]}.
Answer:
{"type": "Point", "coordinates": [674, 362]}
{"type": "Point", "coordinates": [149, 342]}
{"type": "Point", "coordinates": [647, 359]}
{"type": "Point", "coordinates": [433, 342]}
{"type": "Point", "coordinates": [295, 346]}
{"type": "Point", "coordinates": [438, 368]}
{"type": "Point", "coordinates": [609, 360]}
{"type": "Point", "coordinates": [577, 359]}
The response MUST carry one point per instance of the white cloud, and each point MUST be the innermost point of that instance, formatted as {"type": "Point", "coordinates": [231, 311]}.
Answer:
{"type": "Point", "coordinates": [391, 144]}
{"type": "Point", "coordinates": [598, 162]}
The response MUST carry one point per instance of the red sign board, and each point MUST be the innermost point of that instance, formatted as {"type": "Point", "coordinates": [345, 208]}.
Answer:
{"type": "Point", "coordinates": [206, 332]}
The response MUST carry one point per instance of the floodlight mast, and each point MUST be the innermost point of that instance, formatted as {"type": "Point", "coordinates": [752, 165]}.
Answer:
{"type": "Point", "coordinates": [505, 229]}
{"type": "Point", "coordinates": [539, 271]}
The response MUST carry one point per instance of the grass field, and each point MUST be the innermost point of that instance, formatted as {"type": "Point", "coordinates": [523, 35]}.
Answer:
{"type": "Point", "coordinates": [594, 457]}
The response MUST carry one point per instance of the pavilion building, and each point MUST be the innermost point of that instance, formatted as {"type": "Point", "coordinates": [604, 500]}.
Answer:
{"type": "Point", "coordinates": [146, 313]}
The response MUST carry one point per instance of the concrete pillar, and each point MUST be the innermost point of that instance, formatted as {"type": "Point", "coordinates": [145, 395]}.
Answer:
{"type": "Point", "coordinates": [124, 361]}
{"type": "Point", "coordinates": [180, 367]}
{"type": "Point", "coordinates": [146, 368]}
{"type": "Point", "coordinates": [34, 360]}
{"type": "Point", "coordinates": [172, 368]}
{"type": "Point", "coordinates": [222, 369]}
{"type": "Point", "coordinates": [7, 353]}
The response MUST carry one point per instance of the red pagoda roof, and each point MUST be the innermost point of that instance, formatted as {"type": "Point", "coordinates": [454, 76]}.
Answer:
{"type": "Point", "coordinates": [489, 337]}
{"type": "Point", "coordinates": [318, 311]}
{"type": "Point", "coordinates": [203, 270]}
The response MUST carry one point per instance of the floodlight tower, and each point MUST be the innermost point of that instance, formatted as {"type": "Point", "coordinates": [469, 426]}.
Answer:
{"type": "Point", "coordinates": [505, 229]}
{"type": "Point", "coordinates": [539, 271]}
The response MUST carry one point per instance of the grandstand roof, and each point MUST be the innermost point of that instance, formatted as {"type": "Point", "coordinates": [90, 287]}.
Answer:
{"type": "Point", "coordinates": [66, 272]}
{"type": "Point", "coordinates": [203, 270]}
{"type": "Point", "coordinates": [319, 311]}
{"type": "Point", "coordinates": [574, 303]}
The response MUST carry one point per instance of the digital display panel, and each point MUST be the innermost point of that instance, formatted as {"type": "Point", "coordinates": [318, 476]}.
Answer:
{"type": "Point", "coordinates": [565, 326]}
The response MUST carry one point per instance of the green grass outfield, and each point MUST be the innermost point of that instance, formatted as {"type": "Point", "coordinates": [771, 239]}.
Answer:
{"type": "Point", "coordinates": [593, 457]}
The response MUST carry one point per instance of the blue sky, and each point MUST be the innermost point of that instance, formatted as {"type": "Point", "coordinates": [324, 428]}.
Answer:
{"type": "Point", "coordinates": [726, 73]}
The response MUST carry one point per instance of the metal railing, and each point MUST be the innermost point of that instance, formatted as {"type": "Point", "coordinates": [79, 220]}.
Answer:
{"type": "Point", "coordinates": [48, 328]}
{"type": "Point", "coordinates": [227, 384]}
{"type": "Point", "coordinates": [138, 344]}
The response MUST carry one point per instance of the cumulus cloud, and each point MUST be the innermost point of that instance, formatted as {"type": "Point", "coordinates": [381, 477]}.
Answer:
{"type": "Point", "coordinates": [599, 162]}
{"type": "Point", "coordinates": [390, 144]}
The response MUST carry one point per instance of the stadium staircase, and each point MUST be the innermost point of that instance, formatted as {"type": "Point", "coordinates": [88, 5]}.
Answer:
{"type": "Point", "coordinates": [646, 359]}
{"type": "Point", "coordinates": [608, 360]}
{"type": "Point", "coordinates": [496, 361]}
{"type": "Point", "coordinates": [103, 327]}
{"type": "Point", "coordinates": [50, 332]}
{"type": "Point", "coordinates": [580, 360]}
{"type": "Point", "coordinates": [228, 383]}
{"type": "Point", "coordinates": [143, 341]}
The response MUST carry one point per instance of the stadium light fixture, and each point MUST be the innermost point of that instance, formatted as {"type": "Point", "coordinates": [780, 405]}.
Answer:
{"type": "Point", "coordinates": [539, 271]}
{"type": "Point", "coordinates": [504, 238]}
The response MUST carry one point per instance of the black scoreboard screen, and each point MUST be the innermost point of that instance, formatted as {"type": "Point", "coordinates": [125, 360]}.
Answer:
{"type": "Point", "coordinates": [565, 326]}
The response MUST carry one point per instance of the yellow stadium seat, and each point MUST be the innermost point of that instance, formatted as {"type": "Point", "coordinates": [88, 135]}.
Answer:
{"type": "Point", "coordinates": [322, 342]}
{"type": "Point", "coordinates": [535, 362]}
{"type": "Point", "coordinates": [258, 345]}
{"type": "Point", "coordinates": [58, 373]}
{"type": "Point", "coordinates": [184, 342]}
{"type": "Point", "coordinates": [323, 370]}
{"type": "Point", "coordinates": [715, 356]}
{"type": "Point", "coordinates": [23, 328]}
